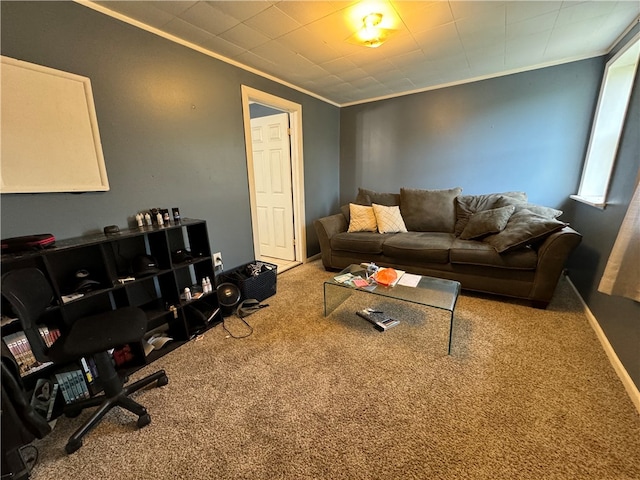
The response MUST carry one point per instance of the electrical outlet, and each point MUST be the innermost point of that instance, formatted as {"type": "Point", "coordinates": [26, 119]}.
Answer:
{"type": "Point", "coordinates": [217, 259]}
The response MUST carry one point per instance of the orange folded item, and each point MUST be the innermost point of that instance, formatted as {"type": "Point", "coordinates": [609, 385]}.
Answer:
{"type": "Point", "coordinates": [386, 276]}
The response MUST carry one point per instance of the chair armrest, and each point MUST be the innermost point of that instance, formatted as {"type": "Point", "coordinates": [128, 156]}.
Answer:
{"type": "Point", "coordinates": [552, 255]}
{"type": "Point", "coordinates": [327, 227]}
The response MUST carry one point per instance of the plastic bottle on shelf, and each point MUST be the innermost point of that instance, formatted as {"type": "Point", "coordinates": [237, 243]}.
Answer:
{"type": "Point", "coordinates": [147, 219]}
{"type": "Point", "coordinates": [139, 219]}
{"type": "Point", "coordinates": [205, 289]}
{"type": "Point", "coordinates": [159, 219]}
{"type": "Point", "coordinates": [187, 293]}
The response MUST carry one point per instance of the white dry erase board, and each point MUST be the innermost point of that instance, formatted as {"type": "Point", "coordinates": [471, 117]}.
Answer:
{"type": "Point", "coordinates": [49, 131]}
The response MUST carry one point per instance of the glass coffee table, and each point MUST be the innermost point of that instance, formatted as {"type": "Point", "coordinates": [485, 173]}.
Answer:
{"type": "Point", "coordinates": [429, 292]}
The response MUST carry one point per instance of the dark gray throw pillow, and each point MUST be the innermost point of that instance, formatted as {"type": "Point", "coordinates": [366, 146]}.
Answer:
{"type": "Point", "coordinates": [487, 222]}
{"type": "Point", "coordinates": [546, 212]}
{"type": "Point", "coordinates": [429, 210]}
{"type": "Point", "coordinates": [523, 228]}
{"type": "Point", "coordinates": [467, 205]}
{"type": "Point", "coordinates": [369, 197]}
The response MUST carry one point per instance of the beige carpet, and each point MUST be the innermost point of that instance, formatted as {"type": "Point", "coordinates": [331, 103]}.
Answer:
{"type": "Point", "coordinates": [526, 394]}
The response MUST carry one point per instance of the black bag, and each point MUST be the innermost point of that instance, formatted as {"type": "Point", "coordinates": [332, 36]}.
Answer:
{"type": "Point", "coordinates": [28, 242]}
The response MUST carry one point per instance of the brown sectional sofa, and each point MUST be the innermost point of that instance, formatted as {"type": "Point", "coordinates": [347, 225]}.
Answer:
{"type": "Point", "coordinates": [495, 243]}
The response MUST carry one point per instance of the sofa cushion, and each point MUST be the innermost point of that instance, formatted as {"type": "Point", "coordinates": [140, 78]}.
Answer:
{"type": "Point", "coordinates": [362, 219]}
{"type": "Point", "coordinates": [358, 242]}
{"type": "Point", "coordinates": [389, 219]}
{"type": "Point", "coordinates": [429, 210]}
{"type": "Point", "coordinates": [486, 222]}
{"type": "Point", "coordinates": [546, 212]}
{"type": "Point", "coordinates": [467, 205]}
{"type": "Point", "coordinates": [418, 247]}
{"type": "Point", "coordinates": [523, 228]}
{"type": "Point", "coordinates": [369, 197]}
{"type": "Point", "coordinates": [473, 252]}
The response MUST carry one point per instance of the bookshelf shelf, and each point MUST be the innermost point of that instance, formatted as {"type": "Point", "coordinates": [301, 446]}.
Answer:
{"type": "Point", "coordinates": [107, 259]}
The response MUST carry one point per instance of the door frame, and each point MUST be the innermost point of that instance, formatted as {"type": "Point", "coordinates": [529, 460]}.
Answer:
{"type": "Point", "coordinates": [294, 110]}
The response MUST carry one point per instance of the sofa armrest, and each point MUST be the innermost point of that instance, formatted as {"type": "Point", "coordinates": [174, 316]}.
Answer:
{"type": "Point", "coordinates": [552, 255]}
{"type": "Point", "coordinates": [327, 227]}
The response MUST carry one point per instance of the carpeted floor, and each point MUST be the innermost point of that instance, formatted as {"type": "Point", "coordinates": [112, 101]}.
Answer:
{"type": "Point", "coordinates": [526, 394]}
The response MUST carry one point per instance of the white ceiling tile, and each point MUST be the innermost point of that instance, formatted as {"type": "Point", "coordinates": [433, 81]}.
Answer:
{"type": "Point", "coordinates": [255, 61]}
{"type": "Point", "coordinates": [172, 7]}
{"type": "Point", "coordinates": [584, 11]}
{"type": "Point", "coordinates": [421, 16]}
{"type": "Point", "coordinates": [339, 65]}
{"type": "Point", "coordinates": [209, 17]}
{"type": "Point", "coordinates": [471, 9]}
{"type": "Point", "coordinates": [365, 82]}
{"type": "Point", "coordinates": [526, 27]}
{"type": "Point", "coordinates": [440, 41]}
{"type": "Point", "coordinates": [244, 36]}
{"type": "Point", "coordinates": [273, 22]}
{"type": "Point", "coordinates": [486, 64]}
{"type": "Point", "coordinates": [353, 75]}
{"type": "Point", "coordinates": [309, 45]}
{"type": "Point", "coordinates": [410, 58]}
{"type": "Point", "coordinates": [525, 10]}
{"type": "Point", "coordinates": [434, 42]}
{"type": "Point", "coordinates": [300, 11]}
{"type": "Point", "coordinates": [480, 51]}
{"type": "Point", "coordinates": [491, 22]}
{"type": "Point", "coordinates": [332, 29]}
{"type": "Point", "coordinates": [241, 10]}
{"type": "Point", "coordinates": [186, 31]}
{"type": "Point", "coordinates": [223, 47]}
{"type": "Point", "coordinates": [519, 49]}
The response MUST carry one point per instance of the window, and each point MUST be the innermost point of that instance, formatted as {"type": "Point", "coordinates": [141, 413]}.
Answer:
{"type": "Point", "coordinates": [608, 122]}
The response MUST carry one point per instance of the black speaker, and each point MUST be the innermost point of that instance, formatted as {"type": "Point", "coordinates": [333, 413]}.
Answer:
{"type": "Point", "coordinates": [228, 297]}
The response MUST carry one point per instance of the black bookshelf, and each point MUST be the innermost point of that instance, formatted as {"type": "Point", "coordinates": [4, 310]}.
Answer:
{"type": "Point", "coordinates": [108, 259]}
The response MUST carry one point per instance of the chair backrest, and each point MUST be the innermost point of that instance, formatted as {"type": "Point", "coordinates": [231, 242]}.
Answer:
{"type": "Point", "coordinates": [29, 293]}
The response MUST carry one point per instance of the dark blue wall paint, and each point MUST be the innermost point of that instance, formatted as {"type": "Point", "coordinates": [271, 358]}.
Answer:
{"type": "Point", "coordinates": [619, 317]}
{"type": "Point", "coordinates": [171, 124]}
{"type": "Point", "coordinates": [520, 132]}
{"type": "Point", "coordinates": [256, 111]}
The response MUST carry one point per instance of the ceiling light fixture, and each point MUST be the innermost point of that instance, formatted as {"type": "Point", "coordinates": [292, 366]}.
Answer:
{"type": "Point", "coordinates": [371, 34]}
{"type": "Point", "coordinates": [372, 22]}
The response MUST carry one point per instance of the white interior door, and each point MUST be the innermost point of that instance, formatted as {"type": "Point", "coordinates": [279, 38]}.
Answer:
{"type": "Point", "coordinates": [273, 189]}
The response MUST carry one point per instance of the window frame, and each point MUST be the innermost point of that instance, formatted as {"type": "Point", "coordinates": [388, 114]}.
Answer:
{"type": "Point", "coordinates": [600, 165]}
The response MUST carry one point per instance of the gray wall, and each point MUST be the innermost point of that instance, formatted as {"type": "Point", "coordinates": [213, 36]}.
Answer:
{"type": "Point", "coordinates": [171, 125]}
{"type": "Point", "coordinates": [619, 317]}
{"type": "Point", "coordinates": [519, 132]}
{"type": "Point", "coordinates": [527, 132]}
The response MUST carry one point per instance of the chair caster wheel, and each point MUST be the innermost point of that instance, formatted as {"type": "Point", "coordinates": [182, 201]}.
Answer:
{"type": "Point", "coordinates": [162, 381]}
{"type": "Point", "coordinates": [72, 446]}
{"type": "Point", "coordinates": [144, 420]}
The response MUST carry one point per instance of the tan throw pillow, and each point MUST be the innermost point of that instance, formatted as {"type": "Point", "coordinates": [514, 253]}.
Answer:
{"type": "Point", "coordinates": [362, 219]}
{"type": "Point", "coordinates": [487, 222]}
{"type": "Point", "coordinates": [389, 219]}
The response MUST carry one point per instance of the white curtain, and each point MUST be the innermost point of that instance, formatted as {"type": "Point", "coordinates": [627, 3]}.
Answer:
{"type": "Point", "coordinates": [622, 274]}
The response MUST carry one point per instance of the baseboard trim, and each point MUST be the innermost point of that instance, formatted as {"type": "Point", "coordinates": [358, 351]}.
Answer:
{"type": "Point", "coordinates": [627, 382]}
{"type": "Point", "coordinates": [313, 258]}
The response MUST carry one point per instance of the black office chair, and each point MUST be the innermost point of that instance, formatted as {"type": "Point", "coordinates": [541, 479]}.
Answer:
{"type": "Point", "coordinates": [30, 294]}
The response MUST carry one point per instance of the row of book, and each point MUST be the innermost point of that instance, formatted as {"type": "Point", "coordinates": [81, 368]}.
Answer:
{"type": "Point", "coordinates": [20, 348]}
{"type": "Point", "coordinates": [73, 385]}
